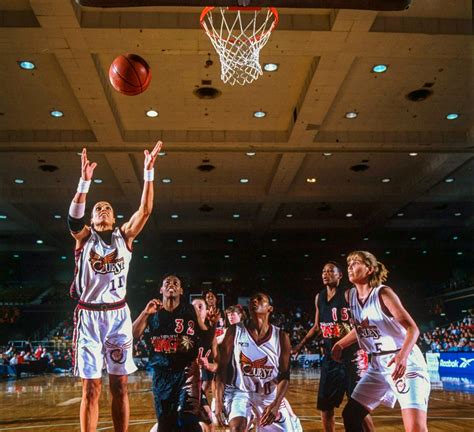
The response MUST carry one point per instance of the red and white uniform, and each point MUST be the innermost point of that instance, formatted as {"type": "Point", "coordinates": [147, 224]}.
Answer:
{"type": "Point", "coordinates": [253, 385]}
{"type": "Point", "coordinates": [382, 337]}
{"type": "Point", "coordinates": [103, 326]}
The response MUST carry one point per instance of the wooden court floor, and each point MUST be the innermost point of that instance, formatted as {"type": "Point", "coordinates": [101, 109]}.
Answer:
{"type": "Point", "coordinates": [51, 403]}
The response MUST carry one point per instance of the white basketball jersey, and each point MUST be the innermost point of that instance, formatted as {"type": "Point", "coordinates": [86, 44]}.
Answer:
{"type": "Point", "coordinates": [101, 269]}
{"type": "Point", "coordinates": [256, 364]}
{"type": "Point", "coordinates": [376, 331]}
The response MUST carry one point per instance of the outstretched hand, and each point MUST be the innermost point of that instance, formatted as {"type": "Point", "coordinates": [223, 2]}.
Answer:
{"type": "Point", "coordinates": [87, 168]}
{"type": "Point", "coordinates": [151, 157]}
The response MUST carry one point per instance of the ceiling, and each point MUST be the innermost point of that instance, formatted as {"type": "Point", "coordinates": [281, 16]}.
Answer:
{"type": "Point", "coordinates": [325, 59]}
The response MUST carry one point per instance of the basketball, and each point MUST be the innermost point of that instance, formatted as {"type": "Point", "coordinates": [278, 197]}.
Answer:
{"type": "Point", "coordinates": [130, 74]}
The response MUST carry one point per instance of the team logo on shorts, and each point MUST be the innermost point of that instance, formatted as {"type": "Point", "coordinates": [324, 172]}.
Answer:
{"type": "Point", "coordinates": [255, 368]}
{"type": "Point", "coordinates": [117, 352]}
{"type": "Point", "coordinates": [365, 330]}
{"type": "Point", "coordinates": [402, 386]}
{"type": "Point", "coordinates": [107, 264]}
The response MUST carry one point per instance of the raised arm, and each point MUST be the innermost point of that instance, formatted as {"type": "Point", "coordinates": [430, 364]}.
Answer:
{"type": "Point", "coordinates": [312, 332]}
{"type": "Point", "coordinates": [76, 220]}
{"type": "Point", "coordinates": [140, 324]}
{"type": "Point", "coordinates": [138, 220]}
{"type": "Point", "coordinates": [270, 413]}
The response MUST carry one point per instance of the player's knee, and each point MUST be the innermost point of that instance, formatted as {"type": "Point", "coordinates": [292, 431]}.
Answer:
{"type": "Point", "coordinates": [238, 424]}
{"type": "Point", "coordinates": [119, 389]}
{"type": "Point", "coordinates": [327, 415]}
{"type": "Point", "coordinates": [353, 415]}
{"type": "Point", "coordinates": [91, 391]}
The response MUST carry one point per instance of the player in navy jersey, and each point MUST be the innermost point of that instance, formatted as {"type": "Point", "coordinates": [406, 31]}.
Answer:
{"type": "Point", "coordinates": [173, 326]}
{"type": "Point", "coordinates": [331, 323]}
{"type": "Point", "coordinates": [102, 323]}
{"type": "Point", "coordinates": [397, 369]}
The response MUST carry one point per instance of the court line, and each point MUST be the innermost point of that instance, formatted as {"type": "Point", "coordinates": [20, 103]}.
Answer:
{"type": "Point", "coordinates": [70, 401]}
{"type": "Point", "coordinates": [307, 418]}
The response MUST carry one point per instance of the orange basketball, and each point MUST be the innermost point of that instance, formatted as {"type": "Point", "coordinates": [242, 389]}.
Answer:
{"type": "Point", "coordinates": [129, 74]}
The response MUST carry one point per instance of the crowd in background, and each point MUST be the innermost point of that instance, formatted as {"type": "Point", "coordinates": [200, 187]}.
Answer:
{"type": "Point", "coordinates": [457, 336]}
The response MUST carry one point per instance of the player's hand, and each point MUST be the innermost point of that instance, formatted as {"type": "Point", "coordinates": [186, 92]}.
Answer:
{"type": "Point", "coordinates": [153, 306]}
{"type": "Point", "coordinates": [336, 352]}
{"type": "Point", "coordinates": [219, 412]}
{"type": "Point", "coordinates": [213, 316]}
{"type": "Point", "coordinates": [87, 168]}
{"type": "Point", "coordinates": [296, 350]}
{"type": "Point", "coordinates": [203, 361]}
{"type": "Point", "coordinates": [270, 414]}
{"type": "Point", "coordinates": [400, 362]}
{"type": "Point", "coordinates": [151, 157]}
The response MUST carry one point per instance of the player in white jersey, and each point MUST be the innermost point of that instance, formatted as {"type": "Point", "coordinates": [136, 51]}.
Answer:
{"type": "Point", "coordinates": [259, 354]}
{"type": "Point", "coordinates": [103, 327]}
{"type": "Point", "coordinates": [397, 369]}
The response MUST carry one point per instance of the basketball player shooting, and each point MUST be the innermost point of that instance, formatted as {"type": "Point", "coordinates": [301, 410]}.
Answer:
{"type": "Point", "coordinates": [103, 327]}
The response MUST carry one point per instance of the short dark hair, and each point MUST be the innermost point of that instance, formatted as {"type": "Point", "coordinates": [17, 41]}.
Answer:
{"type": "Point", "coordinates": [337, 265]}
{"type": "Point", "coordinates": [256, 293]}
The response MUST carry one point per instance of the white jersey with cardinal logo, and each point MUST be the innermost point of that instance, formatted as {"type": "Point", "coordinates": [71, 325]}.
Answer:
{"type": "Point", "coordinates": [256, 364]}
{"type": "Point", "coordinates": [101, 269]}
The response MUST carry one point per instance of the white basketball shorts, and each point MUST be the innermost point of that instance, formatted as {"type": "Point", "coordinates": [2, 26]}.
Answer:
{"type": "Point", "coordinates": [103, 340]}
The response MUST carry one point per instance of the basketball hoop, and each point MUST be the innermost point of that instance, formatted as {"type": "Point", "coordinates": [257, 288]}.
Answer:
{"type": "Point", "coordinates": [238, 34]}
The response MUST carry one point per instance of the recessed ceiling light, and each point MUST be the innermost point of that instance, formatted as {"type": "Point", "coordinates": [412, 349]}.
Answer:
{"type": "Point", "coordinates": [387, 252]}
{"type": "Point", "coordinates": [442, 314]}
{"type": "Point", "coordinates": [270, 67]}
{"type": "Point", "coordinates": [145, 256]}
{"type": "Point", "coordinates": [56, 113]}
{"type": "Point", "coordinates": [98, 181]}
{"type": "Point", "coordinates": [306, 255]}
{"type": "Point", "coordinates": [39, 242]}
{"type": "Point", "coordinates": [259, 114]}
{"type": "Point", "coordinates": [3, 217]}
{"type": "Point", "coordinates": [26, 64]}
{"type": "Point", "coordinates": [135, 241]}
{"type": "Point", "coordinates": [174, 216]}
{"type": "Point", "coordinates": [16, 256]}
{"type": "Point", "coordinates": [459, 253]}
{"type": "Point", "coordinates": [452, 116]}
{"type": "Point", "coordinates": [412, 154]}
{"type": "Point", "coordinates": [380, 68]}
{"type": "Point", "coordinates": [385, 180]}
{"type": "Point", "coordinates": [19, 181]}
{"type": "Point", "coordinates": [351, 115]}
{"type": "Point", "coordinates": [412, 238]}
{"type": "Point", "coordinates": [183, 256]}
{"type": "Point", "coordinates": [289, 215]}
{"type": "Point", "coordinates": [57, 216]}
{"type": "Point", "coordinates": [120, 216]}
{"type": "Point", "coordinates": [230, 240]}
{"type": "Point", "coordinates": [424, 252]}
{"type": "Point", "coordinates": [63, 257]}
{"type": "Point", "coordinates": [327, 154]}
{"type": "Point", "coordinates": [179, 241]}
{"type": "Point", "coordinates": [274, 240]}
{"type": "Point", "coordinates": [455, 237]}
{"type": "Point", "coordinates": [366, 239]}
{"type": "Point", "coordinates": [449, 180]}
{"type": "Point", "coordinates": [323, 239]}
{"type": "Point", "coordinates": [250, 154]}
{"type": "Point", "coordinates": [264, 256]}
{"type": "Point", "coordinates": [235, 215]}
{"type": "Point", "coordinates": [244, 180]}
{"type": "Point", "coordinates": [400, 214]}
{"type": "Point", "coordinates": [166, 180]}
{"type": "Point", "coordinates": [152, 113]}
{"type": "Point", "coordinates": [162, 154]}
{"type": "Point", "coordinates": [457, 214]}
{"type": "Point", "coordinates": [349, 215]}
{"type": "Point", "coordinates": [226, 256]}
{"type": "Point", "coordinates": [311, 180]}
{"type": "Point", "coordinates": [343, 254]}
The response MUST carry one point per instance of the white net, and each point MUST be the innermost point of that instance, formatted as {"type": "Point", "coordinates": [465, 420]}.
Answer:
{"type": "Point", "coordinates": [238, 36]}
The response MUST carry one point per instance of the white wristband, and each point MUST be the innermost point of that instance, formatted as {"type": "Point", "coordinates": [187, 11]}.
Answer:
{"type": "Point", "coordinates": [149, 175]}
{"type": "Point", "coordinates": [83, 186]}
{"type": "Point", "coordinates": [77, 210]}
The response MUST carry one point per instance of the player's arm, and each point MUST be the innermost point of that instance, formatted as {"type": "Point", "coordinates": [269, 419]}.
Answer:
{"type": "Point", "coordinates": [136, 223]}
{"type": "Point", "coordinates": [312, 332]}
{"type": "Point", "coordinates": [140, 324]}
{"type": "Point", "coordinates": [271, 411]}
{"type": "Point", "coordinates": [76, 216]}
{"type": "Point", "coordinates": [204, 361]}
{"type": "Point", "coordinates": [348, 340]}
{"type": "Point", "coordinates": [391, 303]}
{"type": "Point", "coordinates": [225, 354]}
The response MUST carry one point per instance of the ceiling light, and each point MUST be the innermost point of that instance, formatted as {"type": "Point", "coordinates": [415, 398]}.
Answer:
{"type": "Point", "coordinates": [145, 256]}
{"type": "Point", "coordinates": [183, 256]}
{"type": "Point", "coordinates": [459, 253]}
{"type": "Point", "coordinates": [387, 252]}
{"type": "Point", "coordinates": [452, 116]}
{"type": "Point", "coordinates": [63, 257]}
{"type": "Point", "coordinates": [98, 181]}
{"type": "Point", "coordinates": [449, 180]}
{"type": "Point", "coordinates": [343, 254]}
{"type": "Point", "coordinates": [264, 256]}
{"type": "Point", "coordinates": [39, 242]}
{"type": "Point", "coordinates": [16, 256]}
{"type": "Point", "coordinates": [166, 180]}
{"type": "Point", "coordinates": [311, 180]}
{"type": "Point", "coordinates": [327, 154]}
{"type": "Point", "coordinates": [179, 241]}
{"type": "Point", "coordinates": [235, 215]}
{"type": "Point", "coordinates": [274, 240]}
{"type": "Point", "coordinates": [270, 67]}
{"type": "Point", "coordinates": [3, 217]}
{"type": "Point", "coordinates": [56, 216]}
{"type": "Point", "coordinates": [400, 214]}
{"type": "Point", "coordinates": [323, 239]}
{"type": "Point", "coordinates": [230, 240]}
{"type": "Point", "coordinates": [19, 181]}
{"type": "Point", "coordinates": [455, 237]}
{"type": "Point", "coordinates": [457, 214]}
{"type": "Point", "coordinates": [135, 241]}
{"type": "Point", "coordinates": [120, 216]}
{"type": "Point", "coordinates": [424, 252]}
{"type": "Point", "coordinates": [442, 314]}
{"type": "Point", "coordinates": [381, 68]}
{"type": "Point", "coordinates": [259, 114]}
{"type": "Point", "coordinates": [348, 214]}
{"type": "Point", "coordinates": [56, 113]}
{"type": "Point", "coordinates": [412, 238]}
{"type": "Point", "coordinates": [413, 154]}
{"type": "Point", "coordinates": [385, 180]}
{"type": "Point", "coordinates": [226, 256]}
{"type": "Point", "coordinates": [152, 113]}
{"type": "Point", "coordinates": [306, 255]}
{"type": "Point", "coordinates": [244, 180]}
{"type": "Point", "coordinates": [174, 216]}
{"type": "Point", "coordinates": [162, 154]}
{"type": "Point", "coordinates": [366, 239]}
{"type": "Point", "coordinates": [250, 154]}
{"type": "Point", "coordinates": [351, 115]}
{"type": "Point", "coordinates": [26, 64]}
{"type": "Point", "coordinates": [289, 215]}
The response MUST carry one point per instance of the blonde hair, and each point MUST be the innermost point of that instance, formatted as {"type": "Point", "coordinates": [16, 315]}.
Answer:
{"type": "Point", "coordinates": [380, 273]}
